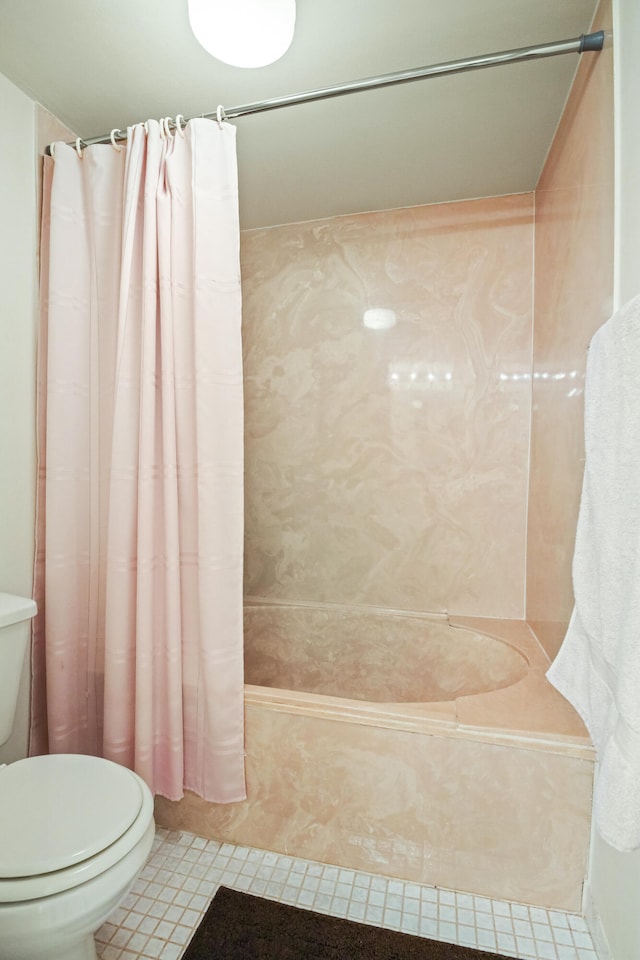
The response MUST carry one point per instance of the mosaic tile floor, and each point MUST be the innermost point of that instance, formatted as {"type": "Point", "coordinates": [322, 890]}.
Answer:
{"type": "Point", "coordinates": [183, 872]}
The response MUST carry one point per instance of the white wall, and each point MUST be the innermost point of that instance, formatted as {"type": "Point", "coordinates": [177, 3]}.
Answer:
{"type": "Point", "coordinates": [626, 21]}
{"type": "Point", "coordinates": [614, 888]}
{"type": "Point", "coordinates": [17, 359]}
{"type": "Point", "coordinates": [614, 878]}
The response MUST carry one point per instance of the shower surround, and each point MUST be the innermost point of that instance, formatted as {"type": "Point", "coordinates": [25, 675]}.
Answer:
{"type": "Point", "coordinates": [388, 469]}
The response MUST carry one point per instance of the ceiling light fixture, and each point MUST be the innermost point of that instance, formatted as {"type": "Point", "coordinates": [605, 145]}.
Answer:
{"type": "Point", "coordinates": [243, 33]}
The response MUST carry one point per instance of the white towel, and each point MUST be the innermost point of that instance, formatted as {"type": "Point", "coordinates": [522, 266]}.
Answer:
{"type": "Point", "coordinates": [598, 666]}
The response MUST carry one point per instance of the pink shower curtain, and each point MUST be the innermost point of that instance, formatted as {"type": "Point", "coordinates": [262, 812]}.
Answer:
{"type": "Point", "coordinates": [138, 644]}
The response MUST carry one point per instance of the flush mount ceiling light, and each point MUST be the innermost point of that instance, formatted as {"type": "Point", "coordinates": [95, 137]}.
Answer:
{"type": "Point", "coordinates": [243, 33]}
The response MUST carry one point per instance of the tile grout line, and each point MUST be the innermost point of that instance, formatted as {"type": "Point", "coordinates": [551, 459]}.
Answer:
{"type": "Point", "coordinates": [169, 898]}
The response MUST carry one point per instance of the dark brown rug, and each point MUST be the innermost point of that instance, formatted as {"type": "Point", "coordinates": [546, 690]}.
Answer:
{"type": "Point", "coordinates": [238, 926]}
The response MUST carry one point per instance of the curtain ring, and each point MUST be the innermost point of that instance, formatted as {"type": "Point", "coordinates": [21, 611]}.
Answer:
{"type": "Point", "coordinates": [179, 126]}
{"type": "Point", "coordinates": [52, 151]}
{"type": "Point", "coordinates": [112, 137]}
{"type": "Point", "coordinates": [162, 133]}
{"type": "Point", "coordinates": [167, 127]}
{"type": "Point", "coordinates": [220, 115]}
{"type": "Point", "coordinates": [79, 147]}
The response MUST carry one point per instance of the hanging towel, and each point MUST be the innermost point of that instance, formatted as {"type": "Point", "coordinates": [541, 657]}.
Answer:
{"type": "Point", "coordinates": [598, 666]}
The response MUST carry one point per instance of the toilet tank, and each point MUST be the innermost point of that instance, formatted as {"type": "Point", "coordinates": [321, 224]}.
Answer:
{"type": "Point", "coordinates": [14, 637]}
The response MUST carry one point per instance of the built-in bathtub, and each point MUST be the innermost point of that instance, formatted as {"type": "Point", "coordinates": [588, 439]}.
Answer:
{"type": "Point", "coordinates": [372, 655]}
{"type": "Point", "coordinates": [428, 748]}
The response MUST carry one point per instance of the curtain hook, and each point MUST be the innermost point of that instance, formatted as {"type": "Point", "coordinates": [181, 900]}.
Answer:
{"type": "Point", "coordinates": [79, 147]}
{"type": "Point", "coordinates": [112, 137]}
{"type": "Point", "coordinates": [179, 126]}
{"type": "Point", "coordinates": [220, 115]}
{"type": "Point", "coordinates": [52, 150]}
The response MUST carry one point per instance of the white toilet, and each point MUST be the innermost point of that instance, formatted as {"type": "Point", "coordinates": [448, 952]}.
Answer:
{"type": "Point", "coordinates": [75, 831]}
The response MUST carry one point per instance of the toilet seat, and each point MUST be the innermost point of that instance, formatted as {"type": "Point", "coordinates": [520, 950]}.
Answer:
{"type": "Point", "coordinates": [64, 819]}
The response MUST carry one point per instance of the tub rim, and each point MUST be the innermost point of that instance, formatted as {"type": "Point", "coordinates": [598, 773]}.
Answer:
{"type": "Point", "coordinates": [522, 659]}
{"type": "Point", "coordinates": [529, 712]}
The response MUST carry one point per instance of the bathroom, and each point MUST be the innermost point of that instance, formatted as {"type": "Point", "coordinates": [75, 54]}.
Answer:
{"type": "Point", "coordinates": [577, 227]}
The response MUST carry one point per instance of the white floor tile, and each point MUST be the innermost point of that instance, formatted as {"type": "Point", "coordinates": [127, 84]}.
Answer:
{"type": "Point", "coordinates": [160, 915]}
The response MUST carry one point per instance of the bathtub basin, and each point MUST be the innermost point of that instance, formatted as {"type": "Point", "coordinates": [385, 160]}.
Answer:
{"type": "Point", "coordinates": [373, 655]}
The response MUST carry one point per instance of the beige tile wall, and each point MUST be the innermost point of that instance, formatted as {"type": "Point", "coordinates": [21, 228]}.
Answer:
{"type": "Point", "coordinates": [573, 296]}
{"type": "Point", "coordinates": [389, 467]}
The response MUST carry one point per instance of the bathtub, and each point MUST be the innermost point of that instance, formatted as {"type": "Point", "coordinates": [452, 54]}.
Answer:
{"type": "Point", "coordinates": [373, 656]}
{"type": "Point", "coordinates": [428, 748]}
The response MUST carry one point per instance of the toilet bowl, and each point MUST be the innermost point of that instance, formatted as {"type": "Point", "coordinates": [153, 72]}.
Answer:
{"type": "Point", "coordinates": [75, 831]}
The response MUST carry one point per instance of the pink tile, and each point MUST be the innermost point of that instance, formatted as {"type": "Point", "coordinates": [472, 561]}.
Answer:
{"type": "Point", "coordinates": [573, 296]}
{"type": "Point", "coordinates": [389, 467]}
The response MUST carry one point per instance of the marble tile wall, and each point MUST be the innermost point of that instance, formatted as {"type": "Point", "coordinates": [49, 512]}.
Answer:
{"type": "Point", "coordinates": [573, 297]}
{"type": "Point", "coordinates": [390, 466]}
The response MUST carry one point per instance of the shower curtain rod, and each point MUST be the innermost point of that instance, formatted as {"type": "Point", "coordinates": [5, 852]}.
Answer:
{"type": "Point", "coordinates": [586, 42]}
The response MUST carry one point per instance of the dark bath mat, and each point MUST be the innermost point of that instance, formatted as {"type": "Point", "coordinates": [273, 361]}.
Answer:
{"type": "Point", "coordinates": [239, 926]}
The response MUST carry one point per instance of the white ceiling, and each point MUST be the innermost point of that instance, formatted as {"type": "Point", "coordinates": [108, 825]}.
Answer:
{"type": "Point", "coordinates": [100, 64]}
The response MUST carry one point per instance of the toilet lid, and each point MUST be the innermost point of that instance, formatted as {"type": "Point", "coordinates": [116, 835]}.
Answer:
{"type": "Point", "coordinates": [56, 811]}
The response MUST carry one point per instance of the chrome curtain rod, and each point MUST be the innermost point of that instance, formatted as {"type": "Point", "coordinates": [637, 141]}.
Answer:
{"type": "Point", "coordinates": [589, 42]}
